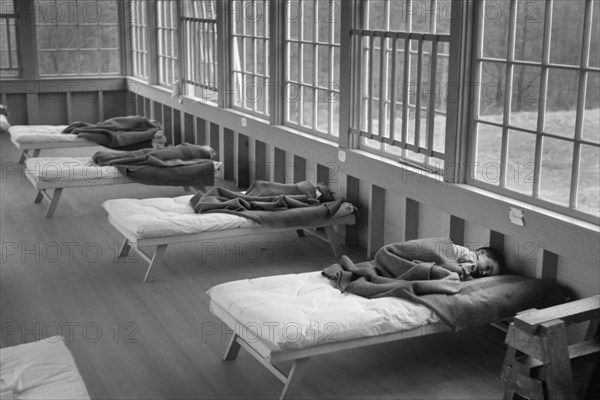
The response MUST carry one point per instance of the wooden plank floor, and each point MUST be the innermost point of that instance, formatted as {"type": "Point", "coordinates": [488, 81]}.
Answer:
{"type": "Point", "coordinates": [155, 340]}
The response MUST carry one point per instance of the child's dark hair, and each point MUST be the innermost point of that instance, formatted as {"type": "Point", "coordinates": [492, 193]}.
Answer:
{"type": "Point", "coordinates": [495, 255]}
{"type": "Point", "coordinates": [326, 193]}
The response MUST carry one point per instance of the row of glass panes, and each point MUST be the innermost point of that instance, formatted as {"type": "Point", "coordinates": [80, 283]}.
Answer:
{"type": "Point", "coordinates": [536, 113]}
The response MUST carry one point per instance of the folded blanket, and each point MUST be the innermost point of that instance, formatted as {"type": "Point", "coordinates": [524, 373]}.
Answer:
{"type": "Point", "coordinates": [182, 165]}
{"type": "Point", "coordinates": [270, 204]}
{"type": "Point", "coordinates": [485, 300]}
{"type": "Point", "coordinates": [120, 133]}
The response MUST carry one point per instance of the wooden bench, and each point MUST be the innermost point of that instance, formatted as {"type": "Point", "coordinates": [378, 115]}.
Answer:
{"type": "Point", "coordinates": [539, 361]}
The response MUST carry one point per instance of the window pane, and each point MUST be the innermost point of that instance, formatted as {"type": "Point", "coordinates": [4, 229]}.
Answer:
{"type": "Point", "coordinates": [589, 176]}
{"type": "Point", "coordinates": [444, 16]}
{"type": "Point", "coordinates": [489, 140]}
{"type": "Point", "coordinates": [89, 60]}
{"type": "Point", "coordinates": [68, 62]}
{"type": "Point", "coordinates": [109, 37]}
{"type": "Point", "coordinates": [308, 102]}
{"type": "Point", "coordinates": [591, 121]}
{"type": "Point", "coordinates": [110, 61]}
{"type": "Point", "coordinates": [48, 63]}
{"type": "Point", "coordinates": [520, 162]}
{"type": "Point", "coordinates": [530, 30]}
{"type": "Point", "coordinates": [421, 16]}
{"type": "Point", "coordinates": [308, 20]}
{"type": "Point", "coordinates": [46, 37]}
{"type": "Point", "coordinates": [525, 97]}
{"type": "Point", "coordinates": [308, 64]}
{"type": "Point", "coordinates": [495, 24]}
{"type": "Point", "coordinates": [595, 42]}
{"type": "Point", "coordinates": [67, 37]}
{"type": "Point", "coordinates": [561, 102]}
{"type": "Point", "coordinates": [293, 70]}
{"type": "Point", "coordinates": [88, 38]}
{"type": "Point", "coordinates": [567, 32]}
{"type": "Point", "coordinates": [555, 182]}
{"type": "Point", "coordinates": [491, 106]}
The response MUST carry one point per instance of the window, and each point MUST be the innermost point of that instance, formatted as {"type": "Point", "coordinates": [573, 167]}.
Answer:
{"type": "Point", "coordinates": [537, 103]}
{"type": "Point", "coordinates": [403, 79]}
{"type": "Point", "coordinates": [77, 37]}
{"type": "Point", "coordinates": [9, 61]}
{"type": "Point", "coordinates": [312, 65]}
{"type": "Point", "coordinates": [250, 66]}
{"type": "Point", "coordinates": [199, 24]}
{"type": "Point", "coordinates": [168, 72]}
{"type": "Point", "coordinates": [139, 31]}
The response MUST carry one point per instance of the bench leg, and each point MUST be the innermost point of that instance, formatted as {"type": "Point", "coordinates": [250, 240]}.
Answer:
{"type": "Point", "coordinates": [36, 152]}
{"type": "Point", "coordinates": [158, 254]}
{"type": "Point", "coordinates": [125, 247]}
{"type": "Point", "coordinates": [294, 377]}
{"type": "Point", "coordinates": [232, 349]}
{"type": "Point", "coordinates": [300, 233]}
{"type": "Point", "coordinates": [333, 241]}
{"type": "Point", "coordinates": [23, 156]}
{"type": "Point", "coordinates": [53, 202]}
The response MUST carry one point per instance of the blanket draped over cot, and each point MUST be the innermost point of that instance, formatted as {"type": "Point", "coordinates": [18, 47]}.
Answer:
{"type": "Point", "coordinates": [425, 271]}
{"type": "Point", "coordinates": [183, 165]}
{"type": "Point", "coordinates": [121, 133]}
{"type": "Point", "coordinates": [274, 205]}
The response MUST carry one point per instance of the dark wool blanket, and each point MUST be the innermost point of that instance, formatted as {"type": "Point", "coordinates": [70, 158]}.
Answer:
{"type": "Point", "coordinates": [274, 205]}
{"type": "Point", "coordinates": [425, 271]}
{"type": "Point", "coordinates": [182, 165]}
{"type": "Point", "coordinates": [121, 133]}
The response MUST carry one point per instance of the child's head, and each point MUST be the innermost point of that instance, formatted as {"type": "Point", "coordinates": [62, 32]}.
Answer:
{"type": "Point", "coordinates": [324, 194]}
{"type": "Point", "coordinates": [489, 262]}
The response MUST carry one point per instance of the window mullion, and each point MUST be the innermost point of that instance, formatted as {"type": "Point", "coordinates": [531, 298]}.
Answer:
{"type": "Point", "coordinates": [507, 90]}
{"type": "Point", "coordinates": [350, 55]}
{"type": "Point", "coordinates": [277, 28]}
{"type": "Point", "coordinates": [539, 142]}
{"type": "Point", "coordinates": [315, 51]}
{"type": "Point", "coordinates": [225, 41]}
{"type": "Point", "coordinates": [583, 75]}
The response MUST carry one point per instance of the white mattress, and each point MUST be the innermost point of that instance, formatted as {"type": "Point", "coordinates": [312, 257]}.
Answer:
{"type": "Point", "coordinates": [71, 169]}
{"type": "Point", "coordinates": [302, 310]}
{"type": "Point", "coordinates": [41, 370]}
{"type": "Point", "coordinates": [31, 134]}
{"type": "Point", "coordinates": [76, 169]}
{"type": "Point", "coordinates": [173, 216]}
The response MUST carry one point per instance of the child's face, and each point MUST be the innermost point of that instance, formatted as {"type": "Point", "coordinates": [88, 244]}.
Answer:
{"type": "Point", "coordinates": [484, 265]}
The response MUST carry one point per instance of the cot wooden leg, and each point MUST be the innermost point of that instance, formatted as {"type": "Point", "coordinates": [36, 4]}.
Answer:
{"type": "Point", "coordinates": [53, 202]}
{"type": "Point", "coordinates": [294, 377]}
{"type": "Point", "coordinates": [333, 241]}
{"type": "Point", "coordinates": [125, 247]}
{"type": "Point", "coordinates": [37, 152]}
{"type": "Point", "coordinates": [23, 156]}
{"type": "Point", "coordinates": [300, 232]}
{"type": "Point", "coordinates": [39, 197]}
{"type": "Point", "coordinates": [158, 254]}
{"type": "Point", "coordinates": [232, 349]}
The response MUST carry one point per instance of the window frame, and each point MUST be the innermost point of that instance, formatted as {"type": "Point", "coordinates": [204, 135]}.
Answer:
{"type": "Point", "coordinates": [539, 133]}
{"type": "Point", "coordinates": [119, 49]}
{"type": "Point", "coordinates": [331, 94]}
{"type": "Point", "coordinates": [12, 18]}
